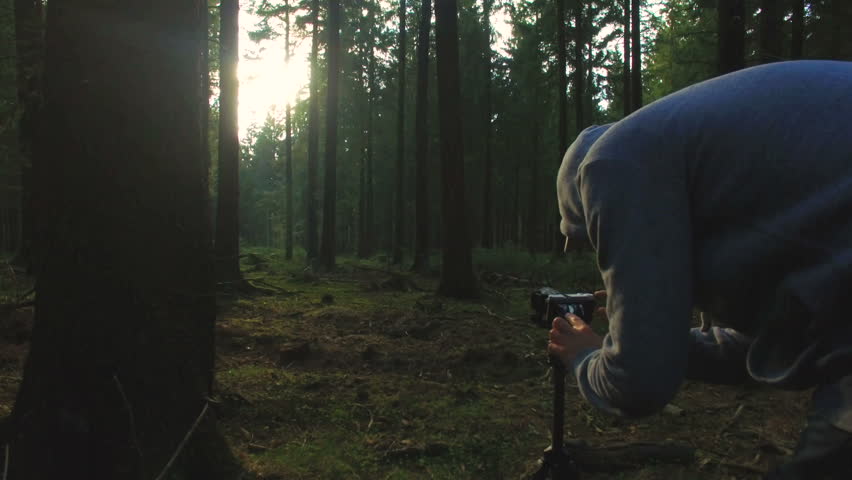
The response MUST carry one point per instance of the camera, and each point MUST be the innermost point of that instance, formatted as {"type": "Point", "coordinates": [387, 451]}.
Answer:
{"type": "Point", "coordinates": [548, 303]}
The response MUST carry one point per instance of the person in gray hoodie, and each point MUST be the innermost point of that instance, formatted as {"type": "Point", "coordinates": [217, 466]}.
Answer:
{"type": "Point", "coordinates": [734, 197]}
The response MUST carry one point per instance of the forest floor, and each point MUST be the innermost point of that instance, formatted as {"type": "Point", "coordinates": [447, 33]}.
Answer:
{"type": "Point", "coordinates": [365, 374]}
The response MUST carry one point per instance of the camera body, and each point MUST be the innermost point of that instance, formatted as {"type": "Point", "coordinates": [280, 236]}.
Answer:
{"type": "Point", "coordinates": [548, 303]}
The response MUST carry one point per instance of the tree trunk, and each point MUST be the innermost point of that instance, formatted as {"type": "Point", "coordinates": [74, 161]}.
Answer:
{"type": "Point", "coordinates": [399, 201]}
{"type": "Point", "coordinates": [628, 100]}
{"type": "Point", "coordinates": [228, 212]}
{"type": "Point", "coordinates": [731, 35]}
{"type": "Point", "coordinates": [204, 38]}
{"type": "Point", "coordinates": [29, 48]}
{"type": "Point", "coordinates": [311, 236]}
{"type": "Point", "coordinates": [288, 172]}
{"type": "Point", "coordinates": [516, 206]}
{"type": "Point", "coordinates": [579, 71]}
{"type": "Point", "coordinates": [329, 224]}
{"type": "Point", "coordinates": [421, 127]}
{"type": "Point", "coordinates": [121, 361]}
{"type": "Point", "coordinates": [798, 34]}
{"type": "Point", "coordinates": [370, 206]}
{"type": "Point", "coordinates": [562, 76]}
{"type": "Point", "coordinates": [369, 238]}
{"type": "Point", "coordinates": [636, 71]}
{"type": "Point", "coordinates": [457, 279]}
{"type": "Point", "coordinates": [532, 224]}
{"type": "Point", "coordinates": [488, 174]}
{"type": "Point", "coordinates": [362, 200]}
{"type": "Point", "coordinates": [771, 19]}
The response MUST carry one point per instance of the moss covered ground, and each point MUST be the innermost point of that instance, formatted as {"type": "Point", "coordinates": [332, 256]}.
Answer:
{"type": "Point", "coordinates": [364, 373]}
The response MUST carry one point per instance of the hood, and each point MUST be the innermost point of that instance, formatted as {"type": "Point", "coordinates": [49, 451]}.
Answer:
{"type": "Point", "coordinates": [573, 224]}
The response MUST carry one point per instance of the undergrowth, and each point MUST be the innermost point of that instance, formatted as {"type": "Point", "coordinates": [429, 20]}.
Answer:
{"type": "Point", "coordinates": [364, 373]}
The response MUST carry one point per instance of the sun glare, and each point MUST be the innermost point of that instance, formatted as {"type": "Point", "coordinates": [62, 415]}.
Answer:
{"type": "Point", "coordinates": [267, 84]}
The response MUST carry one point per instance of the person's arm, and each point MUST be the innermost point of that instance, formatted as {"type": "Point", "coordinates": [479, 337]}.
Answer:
{"type": "Point", "coordinates": [638, 218]}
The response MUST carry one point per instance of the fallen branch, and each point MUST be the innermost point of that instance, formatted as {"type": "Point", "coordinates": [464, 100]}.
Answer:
{"type": "Point", "coordinates": [11, 307]}
{"type": "Point", "coordinates": [732, 421]}
{"type": "Point", "coordinates": [183, 442]}
{"type": "Point", "coordinates": [488, 310]}
{"type": "Point", "coordinates": [502, 278]}
{"type": "Point", "coordinates": [626, 456]}
{"type": "Point", "coordinates": [130, 417]}
{"type": "Point", "coordinates": [744, 466]}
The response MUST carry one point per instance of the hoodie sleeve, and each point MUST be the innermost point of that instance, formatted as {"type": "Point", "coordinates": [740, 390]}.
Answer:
{"type": "Point", "coordinates": [637, 213]}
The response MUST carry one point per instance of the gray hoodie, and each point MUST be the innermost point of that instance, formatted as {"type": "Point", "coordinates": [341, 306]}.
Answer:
{"type": "Point", "coordinates": [733, 196]}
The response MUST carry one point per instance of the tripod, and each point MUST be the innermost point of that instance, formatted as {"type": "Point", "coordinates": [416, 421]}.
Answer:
{"type": "Point", "coordinates": [556, 464]}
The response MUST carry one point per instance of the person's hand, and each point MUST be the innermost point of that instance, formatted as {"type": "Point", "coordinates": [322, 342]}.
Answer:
{"type": "Point", "coordinates": [571, 335]}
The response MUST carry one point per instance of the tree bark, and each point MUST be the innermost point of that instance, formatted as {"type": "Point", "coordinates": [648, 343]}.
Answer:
{"type": "Point", "coordinates": [636, 71]}
{"type": "Point", "coordinates": [731, 35]}
{"type": "Point", "coordinates": [288, 172]}
{"type": "Point", "coordinates": [29, 49]}
{"type": "Point", "coordinates": [329, 224]}
{"type": "Point", "coordinates": [421, 127]}
{"type": "Point", "coordinates": [628, 100]}
{"type": "Point", "coordinates": [365, 238]}
{"type": "Point", "coordinates": [311, 235]}
{"type": "Point", "coordinates": [228, 211]}
{"type": "Point", "coordinates": [562, 75]}
{"type": "Point", "coordinates": [771, 19]}
{"type": "Point", "coordinates": [371, 98]}
{"type": "Point", "coordinates": [399, 201]}
{"type": "Point", "coordinates": [798, 34]}
{"type": "Point", "coordinates": [516, 206]}
{"type": "Point", "coordinates": [488, 174]}
{"type": "Point", "coordinates": [532, 223]}
{"type": "Point", "coordinates": [579, 71]}
{"type": "Point", "coordinates": [457, 279]}
{"type": "Point", "coordinates": [121, 361]}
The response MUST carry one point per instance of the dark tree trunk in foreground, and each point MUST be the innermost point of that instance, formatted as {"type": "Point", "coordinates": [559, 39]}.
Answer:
{"type": "Point", "coordinates": [421, 127]}
{"type": "Point", "coordinates": [771, 35]}
{"type": "Point", "coordinates": [329, 223]}
{"type": "Point", "coordinates": [29, 48]}
{"type": "Point", "coordinates": [228, 212]}
{"type": "Point", "coordinates": [311, 227]}
{"type": "Point", "coordinates": [457, 279]}
{"type": "Point", "coordinates": [731, 36]}
{"type": "Point", "coordinates": [122, 352]}
{"type": "Point", "coordinates": [487, 203]}
{"type": "Point", "coordinates": [579, 70]}
{"type": "Point", "coordinates": [628, 99]}
{"type": "Point", "coordinates": [798, 33]}
{"type": "Point", "coordinates": [636, 71]}
{"type": "Point", "coordinates": [399, 200]}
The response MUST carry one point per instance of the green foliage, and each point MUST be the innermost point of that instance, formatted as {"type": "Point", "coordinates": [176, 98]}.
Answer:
{"type": "Point", "coordinates": [684, 51]}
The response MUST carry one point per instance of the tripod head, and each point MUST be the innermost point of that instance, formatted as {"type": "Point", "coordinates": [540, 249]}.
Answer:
{"type": "Point", "coordinates": [548, 303]}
